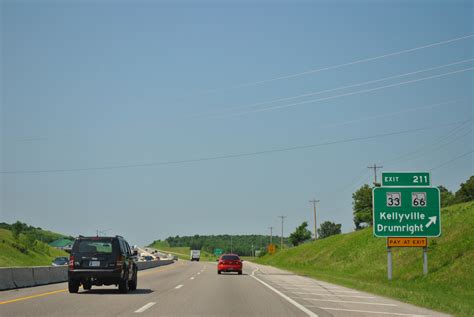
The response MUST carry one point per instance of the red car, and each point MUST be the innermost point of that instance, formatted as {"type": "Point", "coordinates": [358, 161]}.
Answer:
{"type": "Point", "coordinates": [229, 263]}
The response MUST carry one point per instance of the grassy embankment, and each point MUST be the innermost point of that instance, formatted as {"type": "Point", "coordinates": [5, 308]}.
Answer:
{"type": "Point", "coordinates": [21, 252]}
{"type": "Point", "coordinates": [359, 260]}
{"type": "Point", "coordinates": [181, 252]}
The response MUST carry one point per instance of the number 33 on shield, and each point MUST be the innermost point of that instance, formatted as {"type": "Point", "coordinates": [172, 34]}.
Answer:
{"type": "Point", "coordinates": [394, 199]}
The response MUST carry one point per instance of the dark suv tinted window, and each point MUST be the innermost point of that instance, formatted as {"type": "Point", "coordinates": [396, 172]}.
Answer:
{"type": "Point", "coordinates": [230, 258]}
{"type": "Point", "coordinates": [124, 248]}
{"type": "Point", "coordinates": [94, 246]}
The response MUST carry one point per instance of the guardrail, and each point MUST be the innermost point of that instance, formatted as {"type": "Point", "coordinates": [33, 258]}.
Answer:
{"type": "Point", "coordinates": [18, 277]}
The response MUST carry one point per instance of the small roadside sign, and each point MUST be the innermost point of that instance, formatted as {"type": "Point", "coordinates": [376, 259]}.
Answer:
{"type": "Point", "coordinates": [218, 252]}
{"type": "Point", "coordinates": [406, 179]}
{"type": "Point", "coordinates": [271, 248]}
{"type": "Point", "coordinates": [406, 242]}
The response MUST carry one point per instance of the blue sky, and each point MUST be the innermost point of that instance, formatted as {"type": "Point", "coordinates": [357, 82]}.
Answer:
{"type": "Point", "coordinates": [90, 84]}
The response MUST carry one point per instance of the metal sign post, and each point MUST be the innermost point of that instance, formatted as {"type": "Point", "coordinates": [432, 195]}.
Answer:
{"type": "Point", "coordinates": [425, 261]}
{"type": "Point", "coordinates": [389, 263]}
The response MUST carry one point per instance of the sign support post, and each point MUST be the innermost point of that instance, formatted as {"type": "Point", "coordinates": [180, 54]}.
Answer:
{"type": "Point", "coordinates": [389, 263]}
{"type": "Point", "coordinates": [425, 261]}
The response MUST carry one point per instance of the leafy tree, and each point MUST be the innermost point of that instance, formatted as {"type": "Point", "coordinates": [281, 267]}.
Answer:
{"type": "Point", "coordinates": [466, 192]}
{"type": "Point", "coordinates": [447, 197]}
{"type": "Point", "coordinates": [301, 234]}
{"type": "Point", "coordinates": [17, 228]}
{"type": "Point", "coordinates": [329, 229]}
{"type": "Point", "coordinates": [362, 206]}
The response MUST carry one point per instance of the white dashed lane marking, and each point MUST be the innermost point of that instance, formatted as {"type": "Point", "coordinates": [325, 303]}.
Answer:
{"type": "Point", "coordinates": [143, 308]}
{"type": "Point", "coordinates": [179, 286]}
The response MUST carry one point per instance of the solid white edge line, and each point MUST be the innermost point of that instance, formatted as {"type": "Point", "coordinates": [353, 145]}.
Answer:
{"type": "Point", "coordinates": [296, 304]}
{"type": "Point", "coordinates": [143, 308]}
{"type": "Point", "coordinates": [346, 301]}
{"type": "Point", "coordinates": [333, 295]}
{"type": "Point", "coordinates": [321, 289]}
{"type": "Point", "coordinates": [179, 286]}
{"type": "Point", "coordinates": [369, 312]}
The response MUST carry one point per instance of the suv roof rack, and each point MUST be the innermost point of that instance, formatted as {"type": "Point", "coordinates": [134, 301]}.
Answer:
{"type": "Point", "coordinates": [119, 236]}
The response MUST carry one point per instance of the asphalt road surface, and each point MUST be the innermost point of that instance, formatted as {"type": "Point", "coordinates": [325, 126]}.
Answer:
{"type": "Point", "coordinates": [194, 289]}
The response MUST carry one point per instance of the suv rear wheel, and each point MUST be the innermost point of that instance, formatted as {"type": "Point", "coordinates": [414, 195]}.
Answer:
{"type": "Point", "coordinates": [73, 286]}
{"type": "Point", "coordinates": [132, 285]}
{"type": "Point", "coordinates": [123, 285]}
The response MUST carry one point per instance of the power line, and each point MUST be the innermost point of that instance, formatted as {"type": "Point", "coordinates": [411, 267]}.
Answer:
{"type": "Point", "coordinates": [394, 113]}
{"type": "Point", "coordinates": [451, 160]}
{"type": "Point", "coordinates": [423, 148]}
{"type": "Point", "coordinates": [229, 156]}
{"type": "Point", "coordinates": [347, 86]}
{"type": "Point", "coordinates": [351, 93]}
{"type": "Point", "coordinates": [440, 146]}
{"type": "Point", "coordinates": [317, 70]}
{"type": "Point", "coordinates": [356, 180]}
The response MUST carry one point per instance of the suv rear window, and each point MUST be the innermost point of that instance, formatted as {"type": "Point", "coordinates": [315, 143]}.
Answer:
{"type": "Point", "coordinates": [94, 246]}
{"type": "Point", "coordinates": [230, 258]}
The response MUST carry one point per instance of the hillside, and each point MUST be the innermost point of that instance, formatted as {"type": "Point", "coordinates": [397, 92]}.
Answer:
{"type": "Point", "coordinates": [22, 252]}
{"type": "Point", "coordinates": [359, 260]}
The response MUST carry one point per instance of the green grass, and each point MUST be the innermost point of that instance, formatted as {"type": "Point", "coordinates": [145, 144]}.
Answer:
{"type": "Point", "coordinates": [11, 251]}
{"type": "Point", "coordinates": [181, 252]}
{"type": "Point", "coordinates": [359, 260]}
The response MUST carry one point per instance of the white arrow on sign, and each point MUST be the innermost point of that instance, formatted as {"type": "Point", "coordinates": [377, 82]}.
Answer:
{"type": "Point", "coordinates": [432, 221]}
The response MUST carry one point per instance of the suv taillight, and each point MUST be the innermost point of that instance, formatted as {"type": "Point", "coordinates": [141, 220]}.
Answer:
{"type": "Point", "coordinates": [119, 262]}
{"type": "Point", "coordinates": [71, 262]}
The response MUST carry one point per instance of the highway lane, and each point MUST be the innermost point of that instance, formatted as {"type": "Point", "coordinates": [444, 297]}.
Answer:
{"type": "Point", "coordinates": [194, 289]}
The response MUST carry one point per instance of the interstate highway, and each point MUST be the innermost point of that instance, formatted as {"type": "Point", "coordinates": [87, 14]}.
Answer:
{"type": "Point", "coordinates": [194, 289]}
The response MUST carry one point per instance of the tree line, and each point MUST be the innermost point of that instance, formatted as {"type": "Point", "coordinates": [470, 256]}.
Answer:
{"type": "Point", "coordinates": [239, 244]}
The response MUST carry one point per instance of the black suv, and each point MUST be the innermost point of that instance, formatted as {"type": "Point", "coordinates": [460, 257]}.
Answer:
{"type": "Point", "coordinates": [102, 261]}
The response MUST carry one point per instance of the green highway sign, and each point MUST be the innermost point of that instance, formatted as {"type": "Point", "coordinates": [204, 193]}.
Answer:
{"type": "Point", "coordinates": [406, 211]}
{"type": "Point", "coordinates": [217, 252]}
{"type": "Point", "coordinates": [405, 179]}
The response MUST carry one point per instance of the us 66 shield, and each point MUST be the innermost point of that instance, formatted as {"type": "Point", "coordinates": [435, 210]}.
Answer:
{"type": "Point", "coordinates": [406, 212]}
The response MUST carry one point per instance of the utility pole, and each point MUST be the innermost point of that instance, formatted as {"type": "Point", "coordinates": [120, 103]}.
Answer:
{"type": "Point", "coordinates": [271, 234]}
{"type": "Point", "coordinates": [314, 201]}
{"type": "Point", "coordinates": [375, 167]}
{"type": "Point", "coordinates": [281, 239]}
